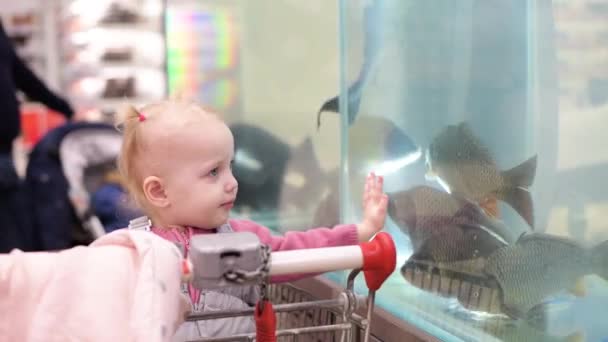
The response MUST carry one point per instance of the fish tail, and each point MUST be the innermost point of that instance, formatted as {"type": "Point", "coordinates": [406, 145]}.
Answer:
{"type": "Point", "coordinates": [578, 336]}
{"type": "Point", "coordinates": [599, 259]}
{"type": "Point", "coordinates": [520, 200]}
{"type": "Point", "coordinates": [517, 181]}
{"type": "Point", "coordinates": [331, 105]}
{"type": "Point", "coordinates": [522, 175]}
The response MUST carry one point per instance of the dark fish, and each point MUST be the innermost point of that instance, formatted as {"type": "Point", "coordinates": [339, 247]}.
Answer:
{"type": "Point", "coordinates": [354, 101]}
{"type": "Point", "coordinates": [372, 40]}
{"type": "Point", "coordinates": [464, 281]}
{"type": "Point", "coordinates": [260, 160]}
{"type": "Point", "coordinates": [460, 252]}
{"type": "Point", "coordinates": [478, 292]}
{"type": "Point", "coordinates": [539, 265]}
{"type": "Point", "coordinates": [516, 280]}
{"type": "Point", "coordinates": [424, 212]}
{"type": "Point", "coordinates": [456, 239]}
{"type": "Point", "coordinates": [459, 159]}
{"type": "Point", "coordinates": [451, 238]}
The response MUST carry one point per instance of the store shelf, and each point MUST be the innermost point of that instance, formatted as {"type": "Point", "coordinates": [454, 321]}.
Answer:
{"type": "Point", "coordinates": [86, 38]}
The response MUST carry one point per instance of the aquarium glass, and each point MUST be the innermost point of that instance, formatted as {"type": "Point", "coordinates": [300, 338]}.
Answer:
{"type": "Point", "coordinates": [267, 71]}
{"type": "Point", "coordinates": [488, 121]}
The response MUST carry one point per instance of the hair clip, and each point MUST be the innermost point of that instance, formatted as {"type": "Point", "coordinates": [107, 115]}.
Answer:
{"type": "Point", "coordinates": [141, 117]}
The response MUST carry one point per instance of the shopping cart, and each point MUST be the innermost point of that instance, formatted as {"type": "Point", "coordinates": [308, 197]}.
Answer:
{"type": "Point", "coordinates": [284, 311]}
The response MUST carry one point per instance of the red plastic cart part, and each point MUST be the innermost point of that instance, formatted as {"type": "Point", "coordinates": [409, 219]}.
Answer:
{"type": "Point", "coordinates": [265, 322]}
{"type": "Point", "coordinates": [379, 259]}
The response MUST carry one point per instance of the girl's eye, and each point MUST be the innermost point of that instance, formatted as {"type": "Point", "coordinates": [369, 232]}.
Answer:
{"type": "Point", "coordinates": [231, 164]}
{"type": "Point", "coordinates": [214, 172]}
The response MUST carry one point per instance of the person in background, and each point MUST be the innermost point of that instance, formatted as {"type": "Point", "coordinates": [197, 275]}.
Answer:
{"type": "Point", "coordinates": [15, 230]}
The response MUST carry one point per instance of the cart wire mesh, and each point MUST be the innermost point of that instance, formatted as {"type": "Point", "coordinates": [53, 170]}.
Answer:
{"type": "Point", "coordinates": [303, 318]}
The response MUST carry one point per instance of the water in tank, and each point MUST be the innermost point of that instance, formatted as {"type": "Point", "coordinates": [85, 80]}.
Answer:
{"type": "Point", "coordinates": [485, 119]}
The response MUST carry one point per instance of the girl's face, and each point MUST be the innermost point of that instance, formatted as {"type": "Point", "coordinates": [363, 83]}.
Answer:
{"type": "Point", "coordinates": [197, 179]}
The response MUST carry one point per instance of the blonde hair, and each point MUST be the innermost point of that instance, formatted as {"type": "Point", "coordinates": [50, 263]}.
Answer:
{"type": "Point", "coordinates": [131, 122]}
{"type": "Point", "coordinates": [130, 150]}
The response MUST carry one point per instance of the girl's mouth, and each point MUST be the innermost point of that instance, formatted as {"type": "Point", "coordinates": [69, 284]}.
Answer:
{"type": "Point", "coordinates": [228, 205]}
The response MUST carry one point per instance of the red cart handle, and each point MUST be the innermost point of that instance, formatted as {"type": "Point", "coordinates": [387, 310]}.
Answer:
{"type": "Point", "coordinates": [379, 260]}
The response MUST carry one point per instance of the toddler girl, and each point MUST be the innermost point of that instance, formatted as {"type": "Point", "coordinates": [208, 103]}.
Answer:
{"type": "Point", "coordinates": [176, 160]}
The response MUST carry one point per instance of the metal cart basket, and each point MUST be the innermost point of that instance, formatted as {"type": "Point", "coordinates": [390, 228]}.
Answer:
{"type": "Point", "coordinates": [302, 318]}
{"type": "Point", "coordinates": [284, 312]}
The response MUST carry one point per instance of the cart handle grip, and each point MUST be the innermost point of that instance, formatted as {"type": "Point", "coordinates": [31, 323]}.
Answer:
{"type": "Point", "coordinates": [377, 259]}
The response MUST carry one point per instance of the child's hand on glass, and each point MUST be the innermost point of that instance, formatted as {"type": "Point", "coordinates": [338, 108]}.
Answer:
{"type": "Point", "coordinates": [375, 203]}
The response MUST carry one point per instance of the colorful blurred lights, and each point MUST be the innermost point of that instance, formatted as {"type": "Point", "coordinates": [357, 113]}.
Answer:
{"type": "Point", "coordinates": [200, 44]}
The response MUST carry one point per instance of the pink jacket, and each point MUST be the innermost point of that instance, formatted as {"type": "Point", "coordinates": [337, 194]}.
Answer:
{"type": "Point", "coordinates": [340, 235]}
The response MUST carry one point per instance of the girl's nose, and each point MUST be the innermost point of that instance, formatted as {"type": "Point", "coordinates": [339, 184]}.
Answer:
{"type": "Point", "coordinates": [231, 184]}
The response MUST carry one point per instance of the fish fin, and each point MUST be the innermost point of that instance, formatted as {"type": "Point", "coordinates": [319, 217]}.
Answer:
{"type": "Point", "coordinates": [512, 312]}
{"type": "Point", "coordinates": [537, 319]}
{"type": "Point", "coordinates": [537, 316]}
{"type": "Point", "coordinates": [430, 175]}
{"type": "Point", "coordinates": [331, 105]}
{"type": "Point", "coordinates": [422, 254]}
{"type": "Point", "coordinates": [490, 206]}
{"type": "Point", "coordinates": [578, 336]}
{"type": "Point", "coordinates": [580, 288]}
{"type": "Point", "coordinates": [520, 200]}
{"type": "Point", "coordinates": [522, 237]}
{"type": "Point", "coordinates": [599, 258]}
{"type": "Point", "coordinates": [465, 127]}
{"type": "Point", "coordinates": [485, 220]}
{"type": "Point", "coordinates": [521, 175]}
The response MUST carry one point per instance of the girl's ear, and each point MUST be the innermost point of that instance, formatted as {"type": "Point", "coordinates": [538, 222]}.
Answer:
{"type": "Point", "coordinates": [154, 191]}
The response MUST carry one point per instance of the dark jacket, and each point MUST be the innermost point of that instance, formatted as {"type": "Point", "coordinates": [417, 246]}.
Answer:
{"type": "Point", "coordinates": [14, 74]}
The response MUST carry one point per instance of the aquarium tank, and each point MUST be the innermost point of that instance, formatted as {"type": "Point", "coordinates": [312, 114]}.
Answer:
{"type": "Point", "coordinates": [483, 117]}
